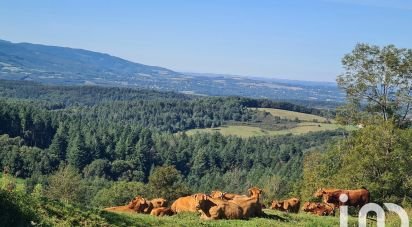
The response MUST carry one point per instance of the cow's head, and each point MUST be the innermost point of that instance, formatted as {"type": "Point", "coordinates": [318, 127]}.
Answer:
{"type": "Point", "coordinates": [217, 194]}
{"type": "Point", "coordinates": [201, 200]}
{"type": "Point", "coordinates": [319, 193]}
{"type": "Point", "coordinates": [141, 205]}
{"type": "Point", "coordinates": [134, 201]}
{"type": "Point", "coordinates": [276, 205]}
{"type": "Point", "coordinates": [160, 202]}
{"type": "Point", "coordinates": [255, 191]}
{"type": "Point", "coordinates": [333, 197]}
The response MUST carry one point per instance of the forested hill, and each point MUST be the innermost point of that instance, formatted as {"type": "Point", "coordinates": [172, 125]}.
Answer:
{"type": "Point", "coordinates": [92, 95]}
{"type": "Point", "coordinates": [41, 108]}
{"type": "Point", "coordinates": [122, 134]}
{"type": "Point", "coordinates": [69, 66]}
{"type": "Point", "coordinates": [81, 95]}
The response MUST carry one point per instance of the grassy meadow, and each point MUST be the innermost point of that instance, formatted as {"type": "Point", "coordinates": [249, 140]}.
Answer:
{"type": "Point", "coordinates": [275, 218]}
{"type": "Point", "coordinates": [307, 123]}
{"type": "Point", "coordinates": [291, 115]}
{"type": "Point", "coordinates": [249, 131]}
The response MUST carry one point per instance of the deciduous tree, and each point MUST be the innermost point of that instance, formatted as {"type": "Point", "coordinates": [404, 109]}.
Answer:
{"type": "Point", "coordinates": [378, 80]}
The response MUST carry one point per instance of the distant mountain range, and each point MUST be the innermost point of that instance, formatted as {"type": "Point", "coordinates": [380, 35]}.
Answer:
{"type": "Point", "coordinates": [68, 66]}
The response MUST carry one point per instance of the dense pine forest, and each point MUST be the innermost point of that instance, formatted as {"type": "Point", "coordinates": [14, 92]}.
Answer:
{"type": "Point", "coordinates": [120, 134]}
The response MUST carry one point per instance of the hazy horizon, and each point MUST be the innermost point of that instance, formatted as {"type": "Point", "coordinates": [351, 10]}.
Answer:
{"type": "Point", "coordinates": [294, 40]}
{"type": "Point", "coordinates": [181, 71]}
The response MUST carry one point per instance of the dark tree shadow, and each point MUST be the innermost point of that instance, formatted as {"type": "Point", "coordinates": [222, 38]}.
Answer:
{"type": "Point", "coordinates": [120, 220]}
{"type": "Point", "coordinates": [275, 217]}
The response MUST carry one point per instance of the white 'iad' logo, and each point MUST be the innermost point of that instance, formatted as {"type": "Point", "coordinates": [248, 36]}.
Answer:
{"type": "Point", "coordinates": [372, 207]}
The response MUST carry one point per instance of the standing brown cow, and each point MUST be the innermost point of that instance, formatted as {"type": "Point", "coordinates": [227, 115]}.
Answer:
{"type": "Point", "coordinates": [355, 198]}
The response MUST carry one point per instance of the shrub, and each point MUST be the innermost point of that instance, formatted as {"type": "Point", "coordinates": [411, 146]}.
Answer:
{"type": "Point", "coordinates": [119, 193]}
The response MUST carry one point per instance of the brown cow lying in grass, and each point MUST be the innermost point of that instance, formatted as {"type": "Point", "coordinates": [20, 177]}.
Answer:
{"type": "Point", "coordinates": [160, 208]}
{"type": "Point", "coordinates": [320, 209]}
{"type": "Point", "coordinates": [355, 198]}
{"type": "Point", "coordinates": [238, 207]}
{"type": "Point", "coordinates": [161, 211]}
{"type": "Point", "coordinates": [141, 205]}
{"type": "Point", "coordinates": [138, 205]}
{"type": "Point", "coordinates": [185, 204]}
{"type": "Point", "coordinates": [250, 205]}
{"type": "Point", "coordinates": [213, 209]}
{"type": "Point", "coordinates": [289, 205]}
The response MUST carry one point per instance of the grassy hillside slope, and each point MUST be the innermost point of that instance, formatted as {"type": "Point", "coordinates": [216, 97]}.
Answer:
{"type": "Point", "coordinates": [274, 218]}
{"type": "Point", "coordinates": [291, 115]}
{"type": "Point", "coordinates": [307, 123]}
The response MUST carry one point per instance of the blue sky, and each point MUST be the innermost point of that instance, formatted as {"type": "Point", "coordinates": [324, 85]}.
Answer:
{"type": "Point", "coordinates": [290, 39]}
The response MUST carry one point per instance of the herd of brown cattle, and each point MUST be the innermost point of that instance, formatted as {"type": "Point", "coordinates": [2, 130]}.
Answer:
{"type": "Point", "coordinates": [220, 205]}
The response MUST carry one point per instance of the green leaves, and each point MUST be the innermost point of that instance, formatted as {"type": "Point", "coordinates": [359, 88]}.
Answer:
{"type": "Point", "coordinates": [379, 81]}
{"type": "Point", "coordinates": [119, 193]}
{"type": "Point", "coordinates": [376, 157]}
{"type": "Point", "coordinates": [167, 182]}
{"type": "Point", "coordinates": [65, 185]}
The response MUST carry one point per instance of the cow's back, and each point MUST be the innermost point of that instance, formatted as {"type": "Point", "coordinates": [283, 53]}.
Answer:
{"type": "Point", "coordinates": [184, 204]}
{"type": "Point", "coordinates": [120, 209]}
{"type": "Point", "coordinates": [358, 197]}
{"type": "Point", "coordinates": [250, 206]}
{"type": "Point", "coordinates": [232, 211]}
{"type": "Point", "coordinates": [226, 209]}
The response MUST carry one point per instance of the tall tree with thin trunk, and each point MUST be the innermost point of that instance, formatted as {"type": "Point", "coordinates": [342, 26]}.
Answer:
{"type": "Point", "coordinates": [378, 81]}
